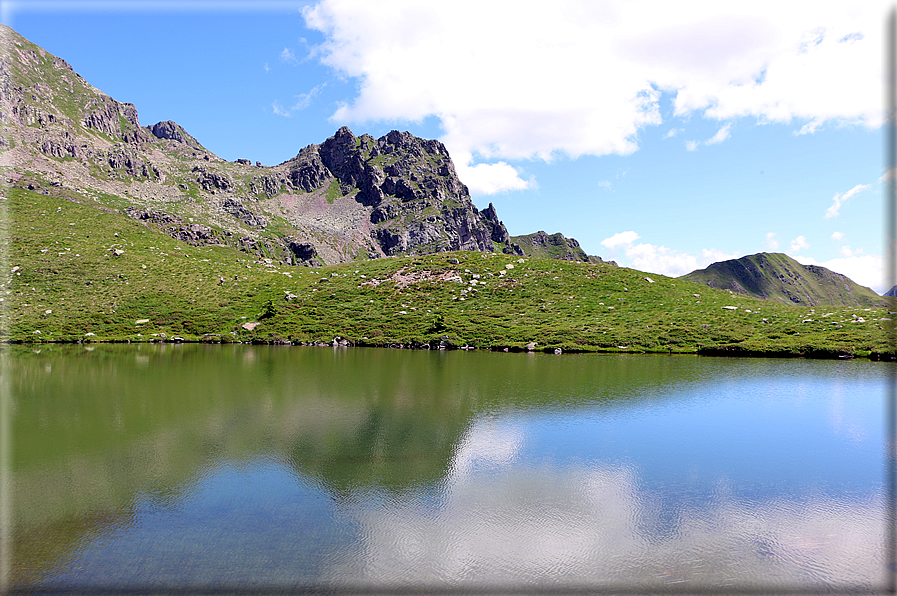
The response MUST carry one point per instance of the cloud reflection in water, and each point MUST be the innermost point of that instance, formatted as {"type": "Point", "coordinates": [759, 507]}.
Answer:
{"type": "Point", "coordinates": [504, 523]}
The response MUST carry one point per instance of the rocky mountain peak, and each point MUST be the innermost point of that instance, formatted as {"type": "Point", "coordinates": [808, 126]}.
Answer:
{"type": "Point", "coordinates": [417, 203]}
{"type": "Point", "coordinates": [347, 198]}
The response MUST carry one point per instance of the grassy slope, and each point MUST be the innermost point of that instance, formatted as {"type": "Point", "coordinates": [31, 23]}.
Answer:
{"type": "Point", "coordinates": [776, 276]}
{"type": "Point", "coordinates": [70, 270]}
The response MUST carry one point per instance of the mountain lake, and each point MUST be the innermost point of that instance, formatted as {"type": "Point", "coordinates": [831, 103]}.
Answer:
{"type": "Point", "coordinates": [241, 468]}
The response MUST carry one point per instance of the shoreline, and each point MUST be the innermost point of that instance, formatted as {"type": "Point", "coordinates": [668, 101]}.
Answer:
{"type": "Point", "coordinates": [729, 351]}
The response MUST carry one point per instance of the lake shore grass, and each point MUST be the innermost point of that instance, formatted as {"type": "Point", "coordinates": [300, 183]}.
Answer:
{"type": "Point", "coordinates": [82, 273]}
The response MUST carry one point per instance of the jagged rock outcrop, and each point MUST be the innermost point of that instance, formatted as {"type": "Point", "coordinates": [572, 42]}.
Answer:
{"type": "Point", "coordinates": [349, 197]}
{"type": "Point", "coordinates": [417, 203]}
{"type": "Point", "coordinates": [210, 180]}
{"type": "Point", "coordinates": [193, 233]}
{"type": "Point", "coordinates": [268, 185]}
{"type": "Point", "coordinates": [308, 171]}
{"type": "Point", "coordinates": [304, 253]}
{"type": "Point", "coordinates": [236, 208]}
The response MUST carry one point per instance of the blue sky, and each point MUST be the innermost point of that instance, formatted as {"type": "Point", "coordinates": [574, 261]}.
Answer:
{"type": "Point", "coordinates": [665, 136]}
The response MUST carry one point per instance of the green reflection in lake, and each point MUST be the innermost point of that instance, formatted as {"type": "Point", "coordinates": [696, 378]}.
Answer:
{"type": "Point", "coordinates": [177, 448]}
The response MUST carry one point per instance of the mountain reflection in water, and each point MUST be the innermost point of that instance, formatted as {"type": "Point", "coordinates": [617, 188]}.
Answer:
{"type": "Point", "coordinates": [269, 467]}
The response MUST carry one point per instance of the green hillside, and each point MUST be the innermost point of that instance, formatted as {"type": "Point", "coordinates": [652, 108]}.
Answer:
{"type": "Point", "coordinates": [82, 273]}
{"type": "Point", "coordinates": [553, 246]}
{"type": "Point", "coordinates": [778, 277]}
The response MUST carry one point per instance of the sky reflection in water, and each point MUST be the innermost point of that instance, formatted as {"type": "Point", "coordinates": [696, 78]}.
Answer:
{"type": "Point", "coordinates": [729, 474]}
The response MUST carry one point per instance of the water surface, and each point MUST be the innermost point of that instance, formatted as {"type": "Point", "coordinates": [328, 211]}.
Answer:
{"type": "Point", "coordinates": [155, 467]}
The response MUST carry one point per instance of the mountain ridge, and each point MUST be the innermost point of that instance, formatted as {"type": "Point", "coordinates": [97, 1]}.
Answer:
{"type": "Point", "coordinates": [124, 232]}
{"type": "Point", "coordinates": [348, 198]}
{"type": "Point", "coordinates": [778, 277]}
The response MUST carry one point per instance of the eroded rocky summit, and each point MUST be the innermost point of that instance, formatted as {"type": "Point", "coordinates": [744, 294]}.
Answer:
{"type": "Point", "coordinates": [348, 198]}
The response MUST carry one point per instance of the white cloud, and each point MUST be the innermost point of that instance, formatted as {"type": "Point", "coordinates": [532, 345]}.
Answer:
{"type": "Point", "coordinates": [720, 136]}
{"type": "Point", "coordinates": [660, 259]}
{"type": "Point", "coordinates": [797, 244]}
{"type": "Point", "coordinates": [620, 239]}
{"type": "Point", "coordinates": [840, 198]}
{"type": "Point", "coordinates": [513, 80]}
{"type": "Point", "coordinates": [489, 178]}
{"type": "Point", "coordinates": [866, 270]}
{"type": "Point", "coordinates": [673, 132]}
{"type": "Point", "coordinates": [266, 67]}
{"type": "Point", "coordinates": [810, 127]}
{"type": "Point", "coordinates": [837, 236]}
{"type": "Point", "coordinates": [771, 243]}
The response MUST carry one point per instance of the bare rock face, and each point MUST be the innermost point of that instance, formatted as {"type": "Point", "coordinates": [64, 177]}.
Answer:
{"type": "Point", "coordinates": [268, 185]}
{"type": "Point", "coordinates": [194, 234]}
{"type": "Point", "coordinates": [417, 203]}
{"type": "Point", "coordinates": [168, 130]}
{"type": "Point", "coordinates": [172, 131]}
{"type": "Point", "coordinates": [309, 172]}
{"type": "Point", "coordinates": [236, 208]}
{"type": "Point", "coordinates": [211, 180]}
{"type": "Point", "coordinates": [304, 253]}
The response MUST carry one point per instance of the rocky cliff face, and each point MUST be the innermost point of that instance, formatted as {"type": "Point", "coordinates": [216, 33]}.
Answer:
{"type": "Point", "coordinates": [408, 188]}
{"type": "Point", "coordinates": [348, 198]}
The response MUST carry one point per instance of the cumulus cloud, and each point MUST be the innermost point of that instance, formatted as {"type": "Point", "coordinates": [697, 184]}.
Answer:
{"type": "Point", "coordinates": [837, 236]}
{"type": "Point", "coordinates": [620, 239]}
{"type": "Point", "coordinates": [660, 259]}
{"type": "Point", "coordinates": [840, 198]}
{"type": "Point", "coordinates": [489, 178]}
{"type": "Point", "coordinates": [797, 244]}
{"type": "Point", "coordinates": [513, 81]}
{"type": "Point", "coordinates": [771, 243]}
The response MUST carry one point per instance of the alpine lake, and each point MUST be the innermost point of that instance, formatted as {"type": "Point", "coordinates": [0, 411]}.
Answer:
{"type": "Point", "coordinates": [160, 468]}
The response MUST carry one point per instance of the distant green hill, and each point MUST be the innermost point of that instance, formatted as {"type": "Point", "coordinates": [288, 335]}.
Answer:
{"type": "Point", "coordinates": [553, 246]}
{"type": "Point", "coordinates": [778, 277]}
